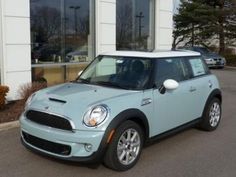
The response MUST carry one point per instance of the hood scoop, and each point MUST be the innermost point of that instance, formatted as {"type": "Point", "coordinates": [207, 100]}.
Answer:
{"type": "Point", "coordinates": [57, 100]}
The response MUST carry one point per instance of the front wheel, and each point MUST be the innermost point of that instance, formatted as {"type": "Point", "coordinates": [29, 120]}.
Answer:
{"type": "Point", "coordinates": [125, 148]}
{"type": "Point", "coordinates": [211, 115]}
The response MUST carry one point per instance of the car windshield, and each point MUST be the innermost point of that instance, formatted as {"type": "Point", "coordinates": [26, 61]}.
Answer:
{"type": "Point", "coordinates": [119, 72]}
{"type": "Point", "coordinates": [202, 50]}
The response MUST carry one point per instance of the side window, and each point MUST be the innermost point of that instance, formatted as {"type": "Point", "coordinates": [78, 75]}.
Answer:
{"type": "Point", "coordinates": [170, 68]}
{"type": "Point", "coordinates": [197, 67]}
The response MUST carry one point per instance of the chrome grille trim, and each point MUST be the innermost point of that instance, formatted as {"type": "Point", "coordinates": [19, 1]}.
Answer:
{"type": "Point", "coordinates": [51, 114]}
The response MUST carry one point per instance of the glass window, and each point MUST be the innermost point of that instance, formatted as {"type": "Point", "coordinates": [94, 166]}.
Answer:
{"type": "Point", "coordinates": [135, 25]}
{"type": "Point", "coordinates": [56, 74]}
{"type": "Point", "coordinates": [197, 66]}
{"type": "Point", "coordinates": [170, 69]}
{"type": "Point", "coordinates": [121, 72]}
{"type": "Point", "coordinates": [78, 33]}
{"type": "Point", "coordinates": [62, 33]}
{"type": "Point", "coordinates": [46, 30]}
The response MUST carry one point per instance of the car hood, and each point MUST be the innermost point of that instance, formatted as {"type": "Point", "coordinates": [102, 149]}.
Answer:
{"type": "Point", "coordinates": [73, 100]}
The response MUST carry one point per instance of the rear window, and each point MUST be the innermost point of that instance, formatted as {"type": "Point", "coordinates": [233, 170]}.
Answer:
{"type": "Point", "coordinates": [197, 67]}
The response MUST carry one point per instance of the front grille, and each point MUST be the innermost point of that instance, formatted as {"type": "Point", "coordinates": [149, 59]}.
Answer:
{"type": "Point", "coordinates": [49, 120]}
{"type": "Point", "coordinates": [217, 59]}
{"type": "Point", "coordinates": [55, 148]}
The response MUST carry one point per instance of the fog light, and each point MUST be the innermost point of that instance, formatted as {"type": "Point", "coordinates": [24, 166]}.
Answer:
{"type": "Point", "coordinates": [88, 147]}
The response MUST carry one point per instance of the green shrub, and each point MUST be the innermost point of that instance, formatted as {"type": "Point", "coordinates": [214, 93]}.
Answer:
{"type": "Point", "coordinates": [3, 92]}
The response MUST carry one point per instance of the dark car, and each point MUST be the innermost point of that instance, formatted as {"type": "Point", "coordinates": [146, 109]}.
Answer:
{"type": "Point", "coordinates": [212, 59]}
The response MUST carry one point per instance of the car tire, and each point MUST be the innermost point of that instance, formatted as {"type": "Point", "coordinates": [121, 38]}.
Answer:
{"type": "Point", "coordinates": [125, 148]}
{"type": "Point", "coordinates": [212, 115]}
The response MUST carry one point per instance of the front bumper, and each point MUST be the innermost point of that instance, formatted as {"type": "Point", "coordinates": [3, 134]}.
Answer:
{"type": "Point", "coordinates": [215, 63]}
{"type": "Point", "coordinates": [76, 140]}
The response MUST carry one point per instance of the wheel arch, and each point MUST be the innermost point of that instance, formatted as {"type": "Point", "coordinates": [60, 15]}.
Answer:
{"type": "Point", "coordinates": [134, 115]}
{"type": "Point", "coordinates": [216, 93]}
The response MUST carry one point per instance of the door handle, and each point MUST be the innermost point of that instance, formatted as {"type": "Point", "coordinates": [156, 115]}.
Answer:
{"type": "Point", "coordinates": [192, 89]}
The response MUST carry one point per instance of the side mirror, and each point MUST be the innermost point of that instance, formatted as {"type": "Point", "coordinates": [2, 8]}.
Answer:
{"type": "Point", "coordinates": [170, 84]}
{"type": "Point", "coordinates": [79, 73]}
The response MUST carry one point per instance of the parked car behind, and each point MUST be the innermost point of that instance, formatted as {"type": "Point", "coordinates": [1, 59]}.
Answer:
{"type": "Point", "coordinates": [78, 55]}
{"type": "Point", "coordinates": [212, 59]}
{"type": "Point", "coordinates": [120, 102]}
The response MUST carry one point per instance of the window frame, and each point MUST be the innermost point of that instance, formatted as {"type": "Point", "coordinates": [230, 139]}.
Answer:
{"type": "Point", "coordinates": [166, 58]}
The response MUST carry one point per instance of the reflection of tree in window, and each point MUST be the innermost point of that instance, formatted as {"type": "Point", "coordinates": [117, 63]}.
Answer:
{"type": "Point", "coordinates": [60, 30]}
{"type": "Point", "coordinates": [75, 9]}
{"type": "Point", "coordinates": [81, 22]}
{"type": "Point", "coordinates": [45, 26]}
{"type": "Point", "coordinates": [123, 22]}
{"type": "Point", "coordinates": [140, 16]}
{"type": "Point", "coordinates": [62, 36]}
{"type": "Point", "coordinates": [134, 24]}
{"type": "Point", "coordinates": [77, 30]}
{"type": "Point", "coordinates": [46, 21]}
{"type": "Point", "coordinates": [84, 25]}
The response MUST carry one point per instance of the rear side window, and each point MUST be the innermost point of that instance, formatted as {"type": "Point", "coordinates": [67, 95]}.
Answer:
{"type": "Point", "coordinates": [197, 67]}
{"type": "Point", "coordinates": [170, 68]}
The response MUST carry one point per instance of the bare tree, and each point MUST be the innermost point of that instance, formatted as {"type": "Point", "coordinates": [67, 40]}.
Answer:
{"type": "Point", "coordinates": [46, 22]}
{"type": "Point", "coordinates": [124, 25]}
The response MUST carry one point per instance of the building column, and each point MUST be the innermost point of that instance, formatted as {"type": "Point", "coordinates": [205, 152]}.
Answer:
{"type": "Point", "coordinates": [164, 24]}
{"type": "Point", "coordinates": [15, 45]}
{"type": "Point", "coordinates": [105, 26]}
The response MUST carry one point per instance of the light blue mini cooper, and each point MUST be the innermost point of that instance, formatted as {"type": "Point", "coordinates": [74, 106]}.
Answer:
{"type": "Point", "coordinates": [119, 103]}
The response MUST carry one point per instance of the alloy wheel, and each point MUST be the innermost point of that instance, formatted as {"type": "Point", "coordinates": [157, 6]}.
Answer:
{"type": "Point", "coordinates": [128, 146]}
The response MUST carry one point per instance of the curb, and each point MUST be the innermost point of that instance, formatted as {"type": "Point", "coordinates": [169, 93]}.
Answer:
{"type": "Point", "coordinates": [230, 67]}
{"type": "Point", "coordinates": [9, 125]}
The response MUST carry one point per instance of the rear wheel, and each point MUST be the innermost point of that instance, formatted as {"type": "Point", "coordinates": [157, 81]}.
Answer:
{"type": "Point", "coordinates": [125, 148]}
{"type": "Point", "coordinates": [211, 115]}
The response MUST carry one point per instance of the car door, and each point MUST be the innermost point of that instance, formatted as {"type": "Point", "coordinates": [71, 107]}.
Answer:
{"type": "Point", "coordinates": [200, 84]}
{"type": "Point", "coordinates": [174, 107]}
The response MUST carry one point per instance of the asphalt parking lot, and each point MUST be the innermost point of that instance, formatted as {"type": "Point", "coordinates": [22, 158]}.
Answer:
{"type": "Point", "coordinates": [192, 153]}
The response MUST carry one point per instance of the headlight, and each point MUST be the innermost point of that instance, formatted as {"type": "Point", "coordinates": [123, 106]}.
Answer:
{"type": "Point", "coordinates": [96, 116]}
{"type": "Point", "coordinates": [29, 100]}
{"type": "Point", "coordinates": [209, 59]}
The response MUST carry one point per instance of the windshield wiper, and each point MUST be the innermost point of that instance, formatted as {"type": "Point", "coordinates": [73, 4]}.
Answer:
{"type": "Point", "coordinates": [85, 81]}
{"type": "Point", "coordinates": [110, 84]}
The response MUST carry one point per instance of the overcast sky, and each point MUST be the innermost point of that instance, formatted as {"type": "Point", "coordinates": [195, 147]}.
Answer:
{"type": "Point", "coordinates": [176, 5]}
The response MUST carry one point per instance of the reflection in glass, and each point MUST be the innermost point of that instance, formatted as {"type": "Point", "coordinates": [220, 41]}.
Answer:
{"type": "Point", "coordinates": [120, 72]}
{"type": "Point", "coordinates": [62, 31]}
{"type": "Point", "coordinates": [46, 30]}
{"type": "Point", "coordinates": [77, 30]}
{"type": "Point", "coordinates": [55, 74]}
{"type": "Point", "coordinates": [135, 25]}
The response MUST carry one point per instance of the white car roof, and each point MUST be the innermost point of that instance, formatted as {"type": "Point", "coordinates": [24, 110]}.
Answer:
{"type": "Point", "coordinates": [155, 54]}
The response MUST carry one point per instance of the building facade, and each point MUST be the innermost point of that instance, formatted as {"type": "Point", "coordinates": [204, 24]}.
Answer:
{"type": "Point", "coordinates": [51, 41]}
